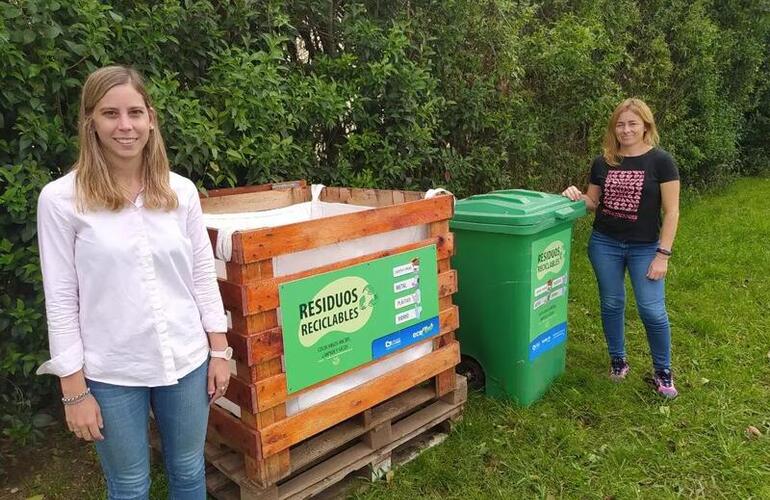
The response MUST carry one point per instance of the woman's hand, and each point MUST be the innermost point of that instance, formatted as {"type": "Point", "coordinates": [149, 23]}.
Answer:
{"type": "Point", "coordinates": [219, 378]}
{"type": "Point", "coordinates": [572, 193]}
{"type": "Point", "coordinates": [658, 267]}
{"type": "Point", "coordinates": [84, 419]}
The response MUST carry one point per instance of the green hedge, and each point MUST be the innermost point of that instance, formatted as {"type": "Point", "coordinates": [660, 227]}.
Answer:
{"type": "Point", "coordinates": [471, 95]}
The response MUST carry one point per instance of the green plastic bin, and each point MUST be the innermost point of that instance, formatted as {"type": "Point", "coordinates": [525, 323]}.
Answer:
{"type": "Point", "coordinates": [512, 253]}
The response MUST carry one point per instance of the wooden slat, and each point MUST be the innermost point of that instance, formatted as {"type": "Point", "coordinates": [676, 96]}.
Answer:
{"type": "Point", "coordinates": [251, 202]}
{"type": "Point", "coordinates": [246, 273]}
{"type": "Point", "coordinates": [318, 479]}
{"type": "Point", "coordinates": [364, 197]}
{"type": "Point", "coordinates": [331, 194]}
{"type": "Point", "coordinates": [254, 323]}
{"type": "Point", "coordinates": [384, 198]}
{"type": "Point", "coordinates": [281, 435]}
{"type": "Point", "coordinates": [262, 295]}
{"type": "Point", "coordinates": [213, 234]}
{"type": "Point", "coordinates": [306, 481]}
{"type": "Point", "coordinates": [260, 244]}
{"type": "Point", "coordinates": [254, 349]}
{"type": "Point", "coordinates": [241, 392]}
{"type": "Point", "coordinates": [344, 195]}
{"type": "Point", "coordinates": [233, 433]}
{"type": "Point", "coordinates": [271, 391]}
{"type": "Point", "coordinates": [367, 197]}
{"type": "Point", "coordinates": [447, 283]}
{"type": "Point", "coordinates": [445, 382]}
{"type": "Point", "coordinates": [266, 471]}
{"type": "Point", "coordinates": [440, 227]}
{"type": "Point", "coordinates": [327, 441]}
{"type": "Point", "coordinates": [233, 296]}
{"type": "Point", "coordinates": [211, 193]}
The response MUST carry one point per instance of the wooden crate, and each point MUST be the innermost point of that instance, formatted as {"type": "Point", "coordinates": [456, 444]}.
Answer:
{"type": "Point", "coordinates": [263, 434]}
{"type": "Point", "coordinates": [368, 445]}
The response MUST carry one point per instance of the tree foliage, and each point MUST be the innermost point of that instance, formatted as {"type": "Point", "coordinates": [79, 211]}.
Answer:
{"type": "Point", "coordinates": [471, 95]}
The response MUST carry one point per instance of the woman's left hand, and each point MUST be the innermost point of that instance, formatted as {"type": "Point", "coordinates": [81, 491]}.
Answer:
{"type": "Point", "coordinates": [658, 268]}
{"type": "Point", "coordinates": [218, 379]}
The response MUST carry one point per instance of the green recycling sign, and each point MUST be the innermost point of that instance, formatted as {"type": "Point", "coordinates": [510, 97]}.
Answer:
{"type": "Point", "coordinates": [336, 321]}
{"type": "Point", "coordinates": [548, 293]}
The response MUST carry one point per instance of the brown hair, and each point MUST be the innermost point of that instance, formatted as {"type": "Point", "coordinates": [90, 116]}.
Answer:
{"type": "Point", "coordinates": [610, 145]}
{"type": "Point", "coordinates": [94, 183]}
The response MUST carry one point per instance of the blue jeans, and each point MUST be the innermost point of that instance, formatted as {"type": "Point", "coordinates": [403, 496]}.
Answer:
{"type": "Point", "coordinates": [181, 413]}
{"type": "Point", "coordinates": [610, 258]}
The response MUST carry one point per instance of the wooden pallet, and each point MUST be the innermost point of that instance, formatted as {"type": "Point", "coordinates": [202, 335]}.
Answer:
{"type": "Point", "coordinates": [262, 431]}
{"type": "Point", "coordinates": [375, 440]}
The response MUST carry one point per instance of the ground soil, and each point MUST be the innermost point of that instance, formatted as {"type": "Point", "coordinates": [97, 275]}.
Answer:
{"type": "Point", "coordinates": [58, 466]}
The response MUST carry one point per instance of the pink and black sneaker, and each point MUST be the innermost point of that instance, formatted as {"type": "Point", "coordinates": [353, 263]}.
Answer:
{"type": "Point", "coordinates": [663, 381]}
{"type": "Point", "coordinates": [618, 369]}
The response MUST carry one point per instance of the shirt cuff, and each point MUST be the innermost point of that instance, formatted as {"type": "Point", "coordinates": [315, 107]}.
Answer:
{"type": "Point", "coordinates": [215, 323]}
{"type": "Point", "coordinates": [66, 363]}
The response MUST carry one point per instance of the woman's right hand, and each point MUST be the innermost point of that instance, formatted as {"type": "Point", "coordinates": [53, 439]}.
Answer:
{"type": "Point", "coordinates": [572, 193]}
{"type": "Point", "coordinates": [84, 419]}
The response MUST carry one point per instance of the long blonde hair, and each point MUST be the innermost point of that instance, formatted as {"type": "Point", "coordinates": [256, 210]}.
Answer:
{"type": "Point", "coordinates": [95, 185]}
{"type": "Point", "coordinates": [610, 145]}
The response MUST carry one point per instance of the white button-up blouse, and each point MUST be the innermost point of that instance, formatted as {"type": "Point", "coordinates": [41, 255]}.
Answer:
{"type": "Point", "coordinates": [130, 294]}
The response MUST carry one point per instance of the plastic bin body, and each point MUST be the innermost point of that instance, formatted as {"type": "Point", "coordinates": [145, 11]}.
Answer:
{"type": "Point", "coordinates": [512, 260]}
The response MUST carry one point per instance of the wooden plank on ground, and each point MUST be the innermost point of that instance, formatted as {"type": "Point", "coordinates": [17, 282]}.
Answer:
{"type": "Point", "coordinates": [328, 454]}
{"type": "Point", "coordinates": [336, 468]}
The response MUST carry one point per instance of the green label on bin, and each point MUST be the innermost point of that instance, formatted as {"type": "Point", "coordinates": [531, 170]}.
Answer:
{"type": "Point", "coordinates": [336, 321]}
{"type": "Point", "coordinates": [548, 296]}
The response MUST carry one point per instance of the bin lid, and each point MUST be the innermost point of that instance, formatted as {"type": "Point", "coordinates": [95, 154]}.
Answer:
{"type": "Point", "coordinates": [517, 207]}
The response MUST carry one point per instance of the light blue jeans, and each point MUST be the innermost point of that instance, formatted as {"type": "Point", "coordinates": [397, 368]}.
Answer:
{"type": "Point", "coordinates": [610, 259]}
{"type": "Point", "coordinates": [181, 413]}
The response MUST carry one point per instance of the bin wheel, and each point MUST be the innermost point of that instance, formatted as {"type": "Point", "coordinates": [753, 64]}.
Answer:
{"type": "Point", "coordinates": [471, 370]}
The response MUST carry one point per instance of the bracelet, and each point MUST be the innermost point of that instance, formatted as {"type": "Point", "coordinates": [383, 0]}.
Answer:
{"type": "Point", "coordinates": [73, 400]}
{"type": "Point", "coordinates": [663, 251]}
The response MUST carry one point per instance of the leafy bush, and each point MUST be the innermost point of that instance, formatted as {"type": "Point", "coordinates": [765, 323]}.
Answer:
{"type": "Point", "coordinates": [471, 95]}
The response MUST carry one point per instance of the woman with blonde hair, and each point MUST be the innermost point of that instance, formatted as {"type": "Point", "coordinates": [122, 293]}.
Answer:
{"type": "Point", "coordinates": [133, 308]}
{"type": "Point", "coordinates": [630, 183]}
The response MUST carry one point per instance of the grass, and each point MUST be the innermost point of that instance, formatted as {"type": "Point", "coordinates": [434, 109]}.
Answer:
{"type": "Point", "coordinates": [591, 438]}
{"type": "Point", "coordinates": [588, 437]}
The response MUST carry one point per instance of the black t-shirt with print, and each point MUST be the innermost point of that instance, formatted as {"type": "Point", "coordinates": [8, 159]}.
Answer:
{"type": "Point", "coordinates": [629, 205]}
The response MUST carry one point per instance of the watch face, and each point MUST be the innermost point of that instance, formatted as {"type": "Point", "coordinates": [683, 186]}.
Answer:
{"type": "Point", "coordinates": [227, 353]}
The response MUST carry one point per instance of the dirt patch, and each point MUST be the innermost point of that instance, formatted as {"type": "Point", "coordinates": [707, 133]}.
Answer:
{"type": "Point", "coordinates": [59, 466]}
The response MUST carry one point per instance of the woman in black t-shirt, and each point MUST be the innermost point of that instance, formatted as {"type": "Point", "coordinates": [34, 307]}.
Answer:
{"type": "Point", "coordinates": [629, 185]}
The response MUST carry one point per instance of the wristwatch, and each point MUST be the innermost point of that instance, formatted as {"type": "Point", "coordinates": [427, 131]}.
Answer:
{"type": "Point", "coordinates": [226, 354]}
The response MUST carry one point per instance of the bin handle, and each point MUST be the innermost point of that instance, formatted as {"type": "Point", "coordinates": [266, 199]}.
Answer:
{"type": "Point", "coordinates": [564, 213]}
